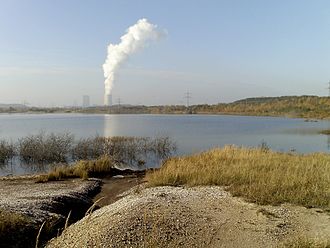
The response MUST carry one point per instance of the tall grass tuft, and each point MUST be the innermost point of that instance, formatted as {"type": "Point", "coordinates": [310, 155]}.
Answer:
{"type": "Point", "coordinates": [82, 169]}
{"type": "Point", "coordinates": [259, 175]}
{"type": "Point", "coordinates": [10, 223]}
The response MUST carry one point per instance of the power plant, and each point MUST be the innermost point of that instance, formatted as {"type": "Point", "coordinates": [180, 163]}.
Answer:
{"type": "Point", "coordinates": [85, 101]}
{"type": "Point", "coordinates": [107, 100]}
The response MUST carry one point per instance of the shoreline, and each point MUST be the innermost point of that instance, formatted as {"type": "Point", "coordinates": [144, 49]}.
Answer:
{"type": "Point", "coordinates": [284, 116]}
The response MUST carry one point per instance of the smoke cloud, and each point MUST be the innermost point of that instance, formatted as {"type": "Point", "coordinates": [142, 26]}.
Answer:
{"type": "Point", "coordinates": [136, 38]}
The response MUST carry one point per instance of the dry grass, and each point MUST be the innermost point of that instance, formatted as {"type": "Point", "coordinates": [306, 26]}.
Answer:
{"type": "Point", "coordinates": [82, 169]}
{"type": "Point", "coordinates": [304, 242]}
{"type": "Point", "coordinates": [259, 175]}
{"type": "Point", "coordinates": [10, 221]}
{"type": "Point", "coordinates": [14, 229]}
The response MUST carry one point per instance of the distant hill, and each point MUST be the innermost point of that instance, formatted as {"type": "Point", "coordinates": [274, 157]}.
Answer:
{"type": "Point", "coordinates": [15, 106]}
{"type": "Point", "coordinates": [291, 106]}
{"type": "Point", "coordinates": [272, 99]}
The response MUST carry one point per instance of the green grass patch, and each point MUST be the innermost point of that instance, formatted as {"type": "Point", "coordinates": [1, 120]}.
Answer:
{"type": "Point", "coordinates": [259, 175]}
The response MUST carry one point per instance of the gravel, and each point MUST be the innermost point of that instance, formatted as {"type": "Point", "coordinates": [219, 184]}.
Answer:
{"type": "Point", "coordinates": [190, 217]}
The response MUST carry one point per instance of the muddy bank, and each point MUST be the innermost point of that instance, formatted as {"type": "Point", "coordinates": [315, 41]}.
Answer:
{"type": "Point", "coordinates": [113, 187]}
{"type": "Point", "coordinates": [192, 217]}
{"type": "Point", "coordinates": [48, 202]}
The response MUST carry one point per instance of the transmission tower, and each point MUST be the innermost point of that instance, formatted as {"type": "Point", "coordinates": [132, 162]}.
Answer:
{"type": "Point", "coordinates": [329, 89]}
{"type": "Point", "coordinates": [188, 97]}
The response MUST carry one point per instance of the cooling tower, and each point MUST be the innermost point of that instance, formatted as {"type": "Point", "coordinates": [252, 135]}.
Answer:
{"type": "Point", "coordinates": [108, 100]}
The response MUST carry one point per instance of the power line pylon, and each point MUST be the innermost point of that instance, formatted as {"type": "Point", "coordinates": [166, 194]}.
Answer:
{"type": "Point", "coordinates": [188, 97]}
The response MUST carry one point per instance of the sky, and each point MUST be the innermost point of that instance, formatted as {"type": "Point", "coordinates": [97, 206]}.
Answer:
{"type": "Point", "coordinates": [51, 52]}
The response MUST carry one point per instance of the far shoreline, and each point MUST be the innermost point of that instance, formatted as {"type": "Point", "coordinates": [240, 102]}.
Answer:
{"type": "Point", "coordinates": [312, 119]}
{"type": "Point", "coordinates": [306, 107]}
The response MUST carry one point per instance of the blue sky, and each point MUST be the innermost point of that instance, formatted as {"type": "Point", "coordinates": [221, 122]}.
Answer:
{"type": "Point", "coordinates": [51, 52]}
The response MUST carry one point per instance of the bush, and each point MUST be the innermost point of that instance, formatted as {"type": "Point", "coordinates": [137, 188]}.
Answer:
{"type": "Point", "coordinates": [136, 151]}
{"type": "Point", "coordinates": [133, 151]}
{"type": "Point", "coordinates": [164, 147]}
{"type": "Point", "coordinates": [7, 151]}
{"type": "Point", "coordinates": [88, 148]}
{"type": "Point", "coordinates": [45, 148]}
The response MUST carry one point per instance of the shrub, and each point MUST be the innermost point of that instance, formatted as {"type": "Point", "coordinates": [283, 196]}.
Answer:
{"type": "Point", "coordinates": [164, 147]}
{"type": "Point", "coordinates": [57, 148]}
{"type": "Point", "coordinates": [88, 148]}
{"type": "Point", "coordinates": [7, 151]}
{"type": "Point", "coordinates": [45, 148]}
{"type": "Point", "coordinates": [133, 151]}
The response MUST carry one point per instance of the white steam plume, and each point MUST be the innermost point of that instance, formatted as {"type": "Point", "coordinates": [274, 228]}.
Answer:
{"type": "Point", "coordinates": [135, 38]}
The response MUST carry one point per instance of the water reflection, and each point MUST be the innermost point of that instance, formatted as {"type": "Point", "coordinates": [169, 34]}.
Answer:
{"type": "Point", "coordinates": [110, 123]}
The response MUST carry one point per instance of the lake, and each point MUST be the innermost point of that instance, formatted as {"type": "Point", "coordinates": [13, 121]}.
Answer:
{"type": "Point", "coordinates": [192, 133]}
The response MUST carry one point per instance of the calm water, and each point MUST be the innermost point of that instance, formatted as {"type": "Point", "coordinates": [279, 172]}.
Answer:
{"type": "Point", "coordinates": [193, 133]}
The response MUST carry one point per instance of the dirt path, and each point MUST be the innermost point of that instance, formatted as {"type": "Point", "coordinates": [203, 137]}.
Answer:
{"type": "Point", "coordinates": [191, 217]}
{"type": "Point", "coordinates": [112, 188]}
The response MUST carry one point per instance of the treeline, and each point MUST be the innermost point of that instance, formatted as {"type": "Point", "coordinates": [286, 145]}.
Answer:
{"type": "Point", "coordinates": [46, 148]}
{"type": "Point", "coordinates": [289, 106]}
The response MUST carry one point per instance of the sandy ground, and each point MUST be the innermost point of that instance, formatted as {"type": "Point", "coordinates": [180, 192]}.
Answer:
{"type": "Point", "coordinates": [191, 217]}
